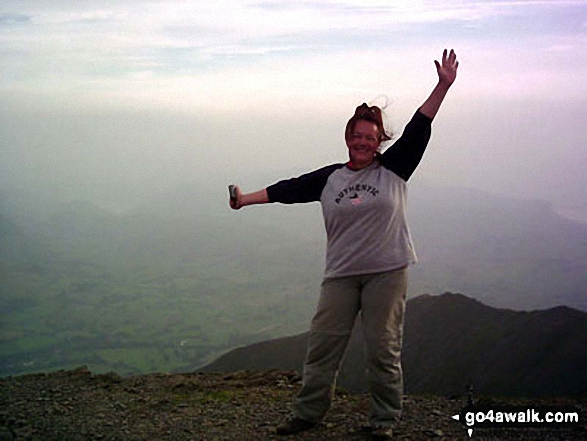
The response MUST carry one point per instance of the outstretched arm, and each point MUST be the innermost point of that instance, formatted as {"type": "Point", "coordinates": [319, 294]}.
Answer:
{"type": "Point", "coordinates": [258, 197]}
{"type": "Point", "coordinates": [447, 73]}
{"type": "Point", "coordinates": [305, 188]}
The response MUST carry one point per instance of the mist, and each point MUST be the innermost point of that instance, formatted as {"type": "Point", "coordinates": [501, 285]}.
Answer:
{"type": "Point", "coordinates": [113, 156]}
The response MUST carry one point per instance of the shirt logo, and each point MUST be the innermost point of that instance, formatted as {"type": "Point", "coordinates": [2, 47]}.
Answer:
{"type": "Point", "coordinates": [356, 193]}
{"type": "Point", "coordinates": [356, 199]}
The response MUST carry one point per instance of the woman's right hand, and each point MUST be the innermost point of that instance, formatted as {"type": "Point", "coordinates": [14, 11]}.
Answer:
{"type": "Point", "coordinates": [236, 204]}
{"type": "Point", "coordinates": [244, 199]}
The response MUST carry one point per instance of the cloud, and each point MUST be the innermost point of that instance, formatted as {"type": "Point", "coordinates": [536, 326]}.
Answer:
{"type": "Point", "coordinates": [560, 48]}
{"type": "Point", "coordinates": [11, 19]}
{"type": "Point", "coordinates": [265, 50]}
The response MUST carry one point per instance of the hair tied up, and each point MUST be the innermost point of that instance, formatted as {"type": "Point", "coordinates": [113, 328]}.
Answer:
{"type": "Point", "coordinates": [368, 113]}
{"type": "Point", "coordinates": [365, 109]}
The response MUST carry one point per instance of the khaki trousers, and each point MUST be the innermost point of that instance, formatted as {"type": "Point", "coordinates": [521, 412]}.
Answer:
{"type": "Point", "coordinates": [380, 299]}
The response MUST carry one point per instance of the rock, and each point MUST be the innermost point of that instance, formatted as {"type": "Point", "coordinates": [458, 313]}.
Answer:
{"type": "Point", "coordinates": [434, 433]}
{"type": "Point", "coordinates": [6, 434]}
{"type": "Point", "coordinates": [244, 406]}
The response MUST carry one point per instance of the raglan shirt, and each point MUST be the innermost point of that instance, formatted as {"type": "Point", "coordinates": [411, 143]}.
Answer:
{"type": "Point", "coordinates": [364, 210]}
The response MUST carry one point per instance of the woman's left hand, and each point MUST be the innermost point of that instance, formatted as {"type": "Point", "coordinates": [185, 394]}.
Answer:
{"type": "Point", "coordinates": [447, 71]}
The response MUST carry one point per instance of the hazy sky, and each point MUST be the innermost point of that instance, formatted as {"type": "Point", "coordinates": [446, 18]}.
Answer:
{"type": "Point", "coordinates": [104, 99]}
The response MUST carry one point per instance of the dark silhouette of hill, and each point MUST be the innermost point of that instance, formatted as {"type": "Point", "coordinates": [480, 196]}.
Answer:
{"type": "Point", "coordinates": [451, 342]}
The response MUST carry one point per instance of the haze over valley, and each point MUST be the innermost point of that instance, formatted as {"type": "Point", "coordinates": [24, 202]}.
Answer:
{"type": "Point", "coordinates": [181, 278]}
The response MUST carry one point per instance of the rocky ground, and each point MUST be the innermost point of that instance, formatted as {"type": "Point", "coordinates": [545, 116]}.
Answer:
{"type": "Point", "coordinates": [78, 405]}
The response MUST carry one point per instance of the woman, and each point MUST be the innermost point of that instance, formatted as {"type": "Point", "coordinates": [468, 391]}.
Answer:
{"type": "Point", "coordinates": [368, 250]}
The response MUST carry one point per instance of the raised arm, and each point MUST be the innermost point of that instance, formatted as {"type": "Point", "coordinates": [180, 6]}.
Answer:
{"type": "Point", "coordinates": [447, 73]}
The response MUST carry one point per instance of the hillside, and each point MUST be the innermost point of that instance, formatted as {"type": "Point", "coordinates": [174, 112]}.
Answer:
{"type": "Point", "coordinates": [241, 406]}
{"type": "Point", "coordinates": [451, 342]}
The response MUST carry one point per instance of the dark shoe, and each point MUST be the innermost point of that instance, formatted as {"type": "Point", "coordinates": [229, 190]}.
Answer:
{"type": "Point", "coordinates": [294, 425]}
{"type": "Point", "coordinates": [381, 433]}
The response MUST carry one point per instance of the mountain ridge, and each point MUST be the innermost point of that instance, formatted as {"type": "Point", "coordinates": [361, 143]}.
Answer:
{"type": "Point", "coordinates": [452, 342]}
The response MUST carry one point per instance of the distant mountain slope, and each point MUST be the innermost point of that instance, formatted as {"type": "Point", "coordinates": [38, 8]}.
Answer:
{"type": "Point", "coordinates": [508, 253]}
{"type": "Point", "coordinates": [452, 341]}
{"type": "Point", "coordinates": [505, 252]}
{"type": "Point", "coordinates": [16, 246]}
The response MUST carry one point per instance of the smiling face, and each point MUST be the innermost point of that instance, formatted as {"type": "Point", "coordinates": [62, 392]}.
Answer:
{"type": "Point", "coordinates": [363, 142]}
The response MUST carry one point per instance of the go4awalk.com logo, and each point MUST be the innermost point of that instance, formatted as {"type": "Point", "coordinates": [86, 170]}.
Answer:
{"type": "Point", "coordinates": [514, 417]}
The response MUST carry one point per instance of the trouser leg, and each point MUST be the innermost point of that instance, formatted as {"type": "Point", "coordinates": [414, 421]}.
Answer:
{"type": "Point", "coordinates": [327, 340]}
{"type": "Point", "coordinates": [383, 307]}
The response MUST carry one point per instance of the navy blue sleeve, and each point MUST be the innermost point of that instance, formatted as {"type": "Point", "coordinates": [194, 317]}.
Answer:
{"type": "Point", "coordinates": [405, 154]}
{"type": "Point", "coordinates": [305, 188]}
